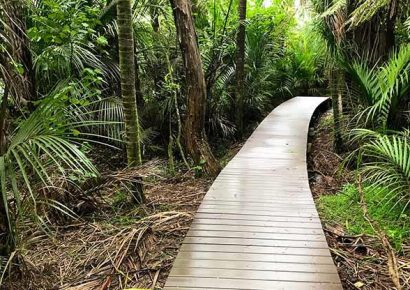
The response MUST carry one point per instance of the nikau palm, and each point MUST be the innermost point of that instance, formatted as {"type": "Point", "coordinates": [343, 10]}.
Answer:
{"type": "Point", "coordinates": [41, 145]}
{"type": "Point", "coordinates": [386, 163]}
{"type": "Point", "coordinates": [128, 89]}
{"type": "Point", "coordinates": [384, 90]}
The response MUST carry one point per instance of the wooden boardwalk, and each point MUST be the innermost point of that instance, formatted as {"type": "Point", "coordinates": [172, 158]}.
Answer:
{"type": "Point", "coordinates": [257, 227]}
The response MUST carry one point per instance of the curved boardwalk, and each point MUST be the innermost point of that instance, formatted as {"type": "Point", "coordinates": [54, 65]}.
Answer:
{"type": "Point", "coordinates": [257, 227]}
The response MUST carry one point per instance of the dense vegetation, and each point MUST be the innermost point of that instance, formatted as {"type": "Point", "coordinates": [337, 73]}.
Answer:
{"type": "Point", "coordinates": [182, 80]}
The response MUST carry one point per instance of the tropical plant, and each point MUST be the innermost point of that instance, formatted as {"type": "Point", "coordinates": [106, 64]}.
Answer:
{"type": "Point", "coordinates": [301, 71]}
{"type": "Point", "coordinates": [384, 161]}
{"type": "Point", "coordinates": [128, 80]}
{"type": "Point", "coordinates": [64, 40]}
{"type": "Point", "coordinates": [383, 91]}
{"type": "Point", "coordinates": [43, 145]}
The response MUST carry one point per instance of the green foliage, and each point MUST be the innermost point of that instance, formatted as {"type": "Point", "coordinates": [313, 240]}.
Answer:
{"type": "Point", "coordinates": [364, 10]}
{"type": "Point", "coordinates": [59, 22]}
{"type": "Point", "coordinates": [385, 162]}
{"type": "Point", "coordinates": [301, 70]}
{"type": "Point", "coordinates": [383, 90]}
{"type": "Point", "coordinates": [280, 61]}
{"type": "Point", "coordinates": [64, 39]}
{"type": "Point", "coordinates": [344, 209]}
{"type": "Point", "coordinates": [40, 147]}
{"type": "Point", "coordinates": [199, 168]}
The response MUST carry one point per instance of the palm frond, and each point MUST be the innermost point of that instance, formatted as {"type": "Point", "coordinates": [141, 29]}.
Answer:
{"type": "Point", "coordinates": [386, 162]}
{"type": "Point", "coordinates": [366, 10]}
{"type": "Point", "coordinates": [384, 89]}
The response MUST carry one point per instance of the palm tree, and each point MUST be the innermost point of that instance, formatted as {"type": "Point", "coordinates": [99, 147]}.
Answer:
{"type": "Point", "coordinates": [195, 136]}
{"type": "Point", "coordinates": [240, 65]}
{"type": "Point", "coordinates": [128, 80]}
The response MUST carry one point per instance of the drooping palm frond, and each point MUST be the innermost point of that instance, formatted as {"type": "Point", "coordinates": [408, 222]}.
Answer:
{"type": "Point", "coordinates": [386, 162]}
{"type": "Point", "coordinates": [61, 60]}
{"type": "Point", "coordinates": [39, 148]}
{"type": "Point", "coordinates": [333, 8]}
{"type": "Point", "coordinates": [220, 105]}
{"type": "Point", "coordinates": [363, 12]}
{"type": "Point", "coordinates": [394, 81]}
{"type": "Point", "coordinates": [383, 89]}
{"type": "Point", "coordinates": [110, 112]}
{"type": "Point", "coordinates": [407, 24]}
{"type": "Point", "coordinates": [366, 10]}
{"type": "Point", "coordinates": [365, 90]}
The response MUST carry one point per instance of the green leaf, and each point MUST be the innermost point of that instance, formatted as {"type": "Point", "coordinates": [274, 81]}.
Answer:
{"type": "Point", "coordinates": [102, 41]}
{"type": "Point", "coordinates": [75, 132]}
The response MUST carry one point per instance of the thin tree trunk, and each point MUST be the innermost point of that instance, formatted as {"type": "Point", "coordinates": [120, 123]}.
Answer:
{"type": "Point", "coordinates": [128, 81]}
{"type": "Point", "coordinates": [336, 86]}
{"type": "Point", "coordinates": [240, 66]}
{"type": "Point", "coordinates": [138, 91]}
{"type": "Point", "coordinates": [390, 25]}
{"type": "Point", "coordinates": [5, 244]}
{"type": "Point", "coordinates": [158, 65]}
{"type": "Point", "coordinates": [171, 161]}
{"type": "Point", "coordinates": [217, 53]}
{"type": "Point", "coordinates": [3, 117]}
{"type": "Point", "coordinates": [195, 137]}
{"type": "Point", "coordinates": [179, 132]}
{"type": "Point", "coordinates": [23, 87]}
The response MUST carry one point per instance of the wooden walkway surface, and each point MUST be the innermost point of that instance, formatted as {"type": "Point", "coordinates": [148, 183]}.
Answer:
{"type": "Point", "coordinates": [257, 227]}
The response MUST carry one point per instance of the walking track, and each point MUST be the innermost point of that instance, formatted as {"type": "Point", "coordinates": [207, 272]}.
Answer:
{"type": "Point", "coordinates": [257, 227]}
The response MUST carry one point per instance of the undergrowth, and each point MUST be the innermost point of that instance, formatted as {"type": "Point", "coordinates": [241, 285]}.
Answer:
{"type": "Point", "coordinates": [344, 209]}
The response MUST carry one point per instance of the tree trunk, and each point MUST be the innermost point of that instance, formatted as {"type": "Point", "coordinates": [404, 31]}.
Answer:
{"type": "Point", "coordinates": [3, 118]}
{"type": "Point", "coordinates": [6, 245]}
{"type": "Point", "coordinates": [159, 64]}
{"type": "Point", "coordinates": [336, 86]}
{"type": "Point", "coordinates": [240, 66]}
{"type": "Point", "coordinates": [390, 25]}
{"type": "Point", "coordinates": [138, 91]}
{"type": "Point", "coordinates": [195, 137]}
{"type": "Point", "coordinates": [22, 85]}
{"type": "Point", "coordinates": [128, 81]}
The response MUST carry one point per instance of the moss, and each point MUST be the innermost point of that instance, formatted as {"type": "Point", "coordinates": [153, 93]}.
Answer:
{"type": "Point", "coordinates": [344, 208]}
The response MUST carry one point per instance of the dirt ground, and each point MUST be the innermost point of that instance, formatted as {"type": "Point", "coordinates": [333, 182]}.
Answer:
{"type": "Point", "coordinates": [114, 244]}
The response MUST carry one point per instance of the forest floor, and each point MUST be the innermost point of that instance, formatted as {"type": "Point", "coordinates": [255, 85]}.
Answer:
{"type": "Point", "coordinates": [114, 243]}
{"type": "Point", "coordinates": [117, 244]}
{"type": "Point", "coordinates": [360, 258]}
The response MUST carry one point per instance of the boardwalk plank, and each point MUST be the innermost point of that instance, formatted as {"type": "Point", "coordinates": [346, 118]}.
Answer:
{"type": "Point", "coordinates": [252, 265]}
{"type": "Point", "coordinates": [265, 257]}
{"type": "Point", "coordinates": [257, 227]}
{"type": "Point", "coordinates": [274, 275]}
{"type": "Point", "coordinates": [255, 235]}
{"type": "Point", "coordinates": [253, 229]}
{"type": "Point", "coordinates": [222, 283]}
{"type": "Point", "coordinates": [254, 250]}
{"type": "Point", "coordinates": [256, 242]}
